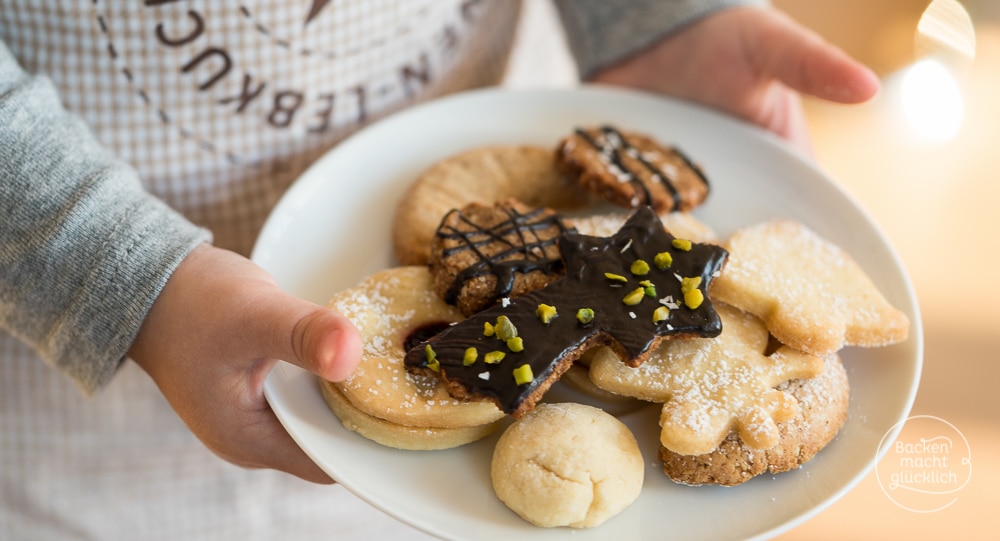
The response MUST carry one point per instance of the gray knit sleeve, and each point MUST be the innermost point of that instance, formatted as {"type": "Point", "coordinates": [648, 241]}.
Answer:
{"type": "Point", "coordinates": [602, 32]}
{"type": "Point", "coordinates": [84, 249]}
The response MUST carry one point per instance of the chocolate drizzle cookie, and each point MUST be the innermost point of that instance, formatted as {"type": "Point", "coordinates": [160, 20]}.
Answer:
{"type": "Point", "coordinates": [627, 292]}
{"type": "Point", "coordinates": [632, 169]}
{"type": "Point", "coordinates": [482, 253]}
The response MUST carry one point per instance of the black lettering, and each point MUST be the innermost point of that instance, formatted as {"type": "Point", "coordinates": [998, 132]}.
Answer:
{"type": "Point", "coordinates": [227, 64]}
{"type": "Point", "coordinates": [158, 2]}
{"type": "Point", "coordinates": [360, 92]}
{"type": "Point", "coordinates": [324, 114]}
{"type": "Point", "coordinates": [286, 103]}
{"type": "Point", "coordinates": [246, 95]}
{"type": "Point", "coordinates": [449, 39]}
{"type": "Point", "coordinates": [199, 27]}
{"type": "Point", "coordinates": [411, 74]}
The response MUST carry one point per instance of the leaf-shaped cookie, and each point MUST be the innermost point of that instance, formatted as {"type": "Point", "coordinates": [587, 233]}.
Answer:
{"type": "Point", "coordinates": [811, 294]}
{"type": "Point", "coordinates": [712, 386]}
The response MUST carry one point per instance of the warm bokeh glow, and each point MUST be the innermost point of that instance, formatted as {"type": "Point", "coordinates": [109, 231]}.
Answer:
{"type": "Point", "coordinates": [931, 100]}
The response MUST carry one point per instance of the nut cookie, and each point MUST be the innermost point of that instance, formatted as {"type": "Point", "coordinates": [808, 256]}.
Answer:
{"type": "Point", "coordinates": [482, 253]}
{"type": "Point", "coordinates": [631, 169]}
{"type": "Point", "coordinates": [823, 410]}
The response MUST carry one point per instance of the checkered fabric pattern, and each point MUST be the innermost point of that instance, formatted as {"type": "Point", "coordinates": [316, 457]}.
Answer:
{"type": "Point", "coordinates": [219, 105]}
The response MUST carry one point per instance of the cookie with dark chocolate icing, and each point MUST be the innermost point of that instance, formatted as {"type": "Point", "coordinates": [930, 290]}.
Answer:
{"type": "Point", "coordinates": [628, 292]}
{"type": "Point", "coordinates": [482, 254]}
{"type": "Point", "coordinates": [631, 169]}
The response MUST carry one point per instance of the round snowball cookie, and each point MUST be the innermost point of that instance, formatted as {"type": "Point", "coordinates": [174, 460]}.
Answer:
{"type": "Point", "coordinates": [567, 465]}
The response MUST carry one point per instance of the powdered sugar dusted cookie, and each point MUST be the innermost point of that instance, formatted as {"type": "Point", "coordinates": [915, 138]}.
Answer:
{"type": "Point", "coordinates": [811, 294]}
{"type": "Point", "coordinates": [632, 169]}
{"type": "Point", "coordinates": [682, 225]}
{"type": "Point", "coordinates": [823, 405]}
{"type": "Point", "coordinates": [711, 387]}
{"type": "Point", "coordinates": [392, 309]}
{"type": "Point", "coordinates": [567, 465]}
{"type": "Point", "coordinates": [389, 434]}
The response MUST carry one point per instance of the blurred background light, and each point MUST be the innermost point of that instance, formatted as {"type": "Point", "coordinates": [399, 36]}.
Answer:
{"type": "Point", "coordinates": [931, 100]}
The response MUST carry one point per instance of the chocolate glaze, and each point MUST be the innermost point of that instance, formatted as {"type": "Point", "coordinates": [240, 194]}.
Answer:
{"type": "Point", "coordinates": [630, 330]}
{"type": "Point", "coordinates": [524, 256]}
{"type": "Point", "coordinates": [614, 145]}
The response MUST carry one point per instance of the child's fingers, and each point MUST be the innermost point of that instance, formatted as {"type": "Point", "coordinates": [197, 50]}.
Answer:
{"type": "Point", "coordinates": [805, 62]}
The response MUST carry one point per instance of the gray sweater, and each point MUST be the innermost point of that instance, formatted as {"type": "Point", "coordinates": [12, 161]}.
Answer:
{"type": "Point", "coordinates": [84, 250]}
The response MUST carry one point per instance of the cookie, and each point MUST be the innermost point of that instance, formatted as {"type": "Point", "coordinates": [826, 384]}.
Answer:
{"type": "Point", "coordinates": [682, 225]}
{"type": "Point", "coordinates": [711, 387]}
{"type": "Point", "coordinates": [632, 169]}
{"type": "Point", "coordinates": [393, 309]}
{"type": "Point", "coordinates": [811, 294]}
{"type": "Point", "coordinates": [410, 438]}
{"type": "Point", "coordinates": [482, 254]}
{"type": "Point", "coordinates": [485, 175]}
{"type": "Point", "coordinates": [823, 409]}
{"type": "Point", "coordinates": [615, 292]}
{"type": "Point", "coordinates": [567, 465]}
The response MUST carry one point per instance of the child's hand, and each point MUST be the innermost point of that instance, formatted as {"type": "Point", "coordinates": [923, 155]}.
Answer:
{"type": "Point", "coordinates": [751, 63]}
{"type": "Point", "coordinates": [210, 340]}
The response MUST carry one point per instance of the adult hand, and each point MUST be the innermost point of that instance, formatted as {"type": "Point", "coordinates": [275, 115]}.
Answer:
{"type": "Point", "coordinates": [749, 62]}
{"type": "Point", "coordinates": [210, 340]}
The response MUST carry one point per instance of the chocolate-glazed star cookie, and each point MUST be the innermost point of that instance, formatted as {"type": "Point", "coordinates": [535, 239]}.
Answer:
{"type": "Point", "coordinates": [628, 292]}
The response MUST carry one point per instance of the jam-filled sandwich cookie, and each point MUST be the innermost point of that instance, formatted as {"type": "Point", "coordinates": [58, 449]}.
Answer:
{"type": "Point", "coordinates": [485, 175]}
{"type": "Point", "coordinates": [628, 292]}
{"type": "Point", "coordinates": [383, 401]}
{"type": "Point", "coordinates": [811, 294]}
{"type": "Point", "coordinates": [632, 169]}
{"type": "Point", "coordinates": [822, 411]}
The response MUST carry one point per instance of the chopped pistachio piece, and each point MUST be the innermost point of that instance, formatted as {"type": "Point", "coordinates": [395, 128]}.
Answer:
{"type": "Point", "coordinates": [585, 315]}
{"type": "Point", "coordinates": [617, 278]}
{"type": "Point", "coordinates": [488, 329]}
{"type": "Point", "coordinates": [505, 328]}
{"type": "Point", "coordinates": [663, 260]}
{"type": "Point", "coordinates": [635, 296]}
{"type": "Point", "coordinates": [681, 244]}
{"type": "Point", "coordinates": [523, 374]}
{"type": "Point", "coordinates": [639, 268]}
{"type": "Point", "coordinates": [494, 357]}
{"type": "Point", "coordinates": [515, 344]}
{"type": "Point", "coordinates": [693, 298]}
{"type": "Point", "coordinates": [649, 288]}
{"type": "Point", "coordinates": [546, 313]}
{"type": "Point", "coordinates": [660, 314]}
{"type": "Point", "coordinates": [690, 284]}
{"type": "Point", "coordinates": [432, 360]}
{"type": "Point", "coordinates": [470, 357]}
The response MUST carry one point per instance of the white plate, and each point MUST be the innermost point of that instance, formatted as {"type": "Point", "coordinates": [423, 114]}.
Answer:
{"type": "Point", "coordinates": [332, 229]}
